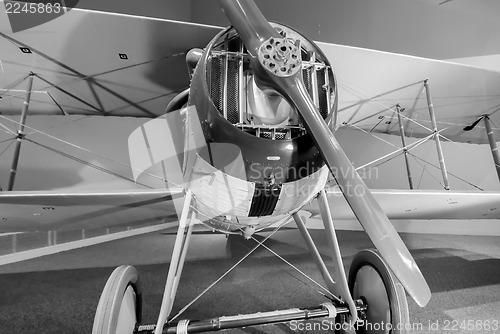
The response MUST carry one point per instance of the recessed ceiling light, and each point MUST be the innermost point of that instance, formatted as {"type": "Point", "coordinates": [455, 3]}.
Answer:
{"type": "Point", "coordinates": [25, 50]}
{"type": "Point", "coordinates": [123, 56]}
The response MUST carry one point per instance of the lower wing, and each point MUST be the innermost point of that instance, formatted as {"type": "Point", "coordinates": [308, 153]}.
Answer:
{"type": "Point", "coordinates": [420, 204]}
{"type": "Point", "coordinates": [39, 211]}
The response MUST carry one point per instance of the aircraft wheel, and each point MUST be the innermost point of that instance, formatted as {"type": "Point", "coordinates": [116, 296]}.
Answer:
{"type": "Point", "coordinates": [371, 280]}
{"type": "Point", "coordinates": [120, 306]}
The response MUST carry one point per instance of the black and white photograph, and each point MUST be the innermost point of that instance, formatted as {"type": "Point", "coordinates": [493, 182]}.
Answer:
{"type": "Point", "coordinates": [249, 166]}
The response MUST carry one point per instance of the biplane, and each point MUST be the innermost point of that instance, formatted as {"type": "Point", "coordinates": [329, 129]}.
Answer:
{"type": "Point", "coordinates": [250, 145]}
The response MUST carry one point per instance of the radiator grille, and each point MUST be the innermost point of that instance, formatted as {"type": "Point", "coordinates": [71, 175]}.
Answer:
{"type": "Point", "coordinates": [233, 91]}
{"type": "Point", "coordinates": [266, 134]}
{"type": "Point", "coordinates": [279, 136]}
{"type": "Point", "coordinates": [218, 76]}
{"type": "Point", "coordinates": [322, 94]}
{"type": "Point", "coordinates": [306, 75]}
{"type": "Point", "coordinates": [216, 85]}
{"type": "Point", "coordinates": [264, 200]}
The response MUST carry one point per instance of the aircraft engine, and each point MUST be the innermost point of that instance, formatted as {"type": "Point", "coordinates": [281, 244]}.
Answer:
{"type": "Point", "coordinates": [238, 108]}
{"type": "Point", "coordinates": [251, 106]}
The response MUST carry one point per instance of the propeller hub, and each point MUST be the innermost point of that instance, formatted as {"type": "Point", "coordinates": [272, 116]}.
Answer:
{"type": "Point", "coordinates": [281, 56]}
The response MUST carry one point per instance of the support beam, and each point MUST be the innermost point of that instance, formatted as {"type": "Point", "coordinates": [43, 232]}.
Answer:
{"type": "Point", "coordinates": [225, 70]}
{"type": "Point", "coordinates": [330, 283]}
{"type": "Point", "coordinates": [314, 79]}
{"type": "Point", "coordinates": [493, 144]}
{"type": "Point", "coordinates": [403, 141]}
{"type": "Point", "coordinates": [176, 263]}
{"type": "Point", "coordinates": [436, 135]}
{"type": "Point", "coordinates": [328, 90]}
{"type": "Point", "coordinates": [339, 274]}
{"type": "Point", "coordinates": [14, 243]}
{"type": "Point", "coordinates": [20, 133]}
{"type": "Point", "coordinates": [242, 101]}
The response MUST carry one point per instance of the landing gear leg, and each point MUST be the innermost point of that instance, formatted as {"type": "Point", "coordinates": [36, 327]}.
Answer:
{"type": "Point", "coordinates": [120, 306]}
{"type": "Point", "coordinates": [176, 263]}
{"type": "Point", "coordinates": [338, 287]}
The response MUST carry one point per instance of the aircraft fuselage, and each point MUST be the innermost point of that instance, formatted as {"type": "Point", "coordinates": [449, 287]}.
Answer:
{"type": "Point", "coordinates": [281, 169]}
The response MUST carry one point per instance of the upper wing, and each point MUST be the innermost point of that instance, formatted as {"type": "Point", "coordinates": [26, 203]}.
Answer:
{"type": "Point", "coordinates": [37, 210]}
{"type": "Point", "coordinates": [371, 83]}
{"type": "Point", "coordinates": [78, 67]}
{"type": "Point", "coordinates": [421, 204]}
{"type": "Point", "coordinates": [97, 63]}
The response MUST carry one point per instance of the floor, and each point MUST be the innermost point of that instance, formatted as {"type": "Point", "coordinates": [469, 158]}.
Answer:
{"type": "Point", "coordinates": [59, 293]}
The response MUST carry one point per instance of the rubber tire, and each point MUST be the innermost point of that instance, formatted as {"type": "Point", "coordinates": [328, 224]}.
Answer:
{"type": "Point", "coordinates": [110, 317]}
{"type": "Point", "coordinates": [369, 260]}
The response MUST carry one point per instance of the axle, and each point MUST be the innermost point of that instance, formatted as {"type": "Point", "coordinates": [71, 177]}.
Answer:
{"type": "Point", "coordinates": [261, 318]}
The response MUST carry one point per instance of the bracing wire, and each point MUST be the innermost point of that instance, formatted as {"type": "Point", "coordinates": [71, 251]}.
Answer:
{"type": "Point", "coordinates": [12, 141]}
{"type": "Point", "coordinates": [228, 271]}
{"type": "Point", "coordinates": [87, 77]}
{"type": "Point", "coordinates": [88, 151]}
{"type": "Point", "coordinates": [371, 100]}
{"type": "Point", "coordinates": [299, 271]}
{"type": "Point", "coordinates": [86, 163]}
{"type": "Point", "coordinates": [452, 174]}
{"type": "Point", "coordinates": [326, 291]}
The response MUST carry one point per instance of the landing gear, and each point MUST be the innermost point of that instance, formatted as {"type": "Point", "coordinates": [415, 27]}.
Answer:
{"type": "Point", "coordinates": [120, 306]}
{"type": "Point", "coordinates": [371, 280]}
{"type": "Point", "coordinates": [371, 294]}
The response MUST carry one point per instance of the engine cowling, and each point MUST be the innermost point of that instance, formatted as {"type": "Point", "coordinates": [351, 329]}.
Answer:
{"type": "Point", "coordinates": [236, 109]}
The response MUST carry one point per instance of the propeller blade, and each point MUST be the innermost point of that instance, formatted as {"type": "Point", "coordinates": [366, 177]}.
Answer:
{"type": "Point", "coordinates": [369, 213]}
{"type": "Point", "coordinates": [249, 22]}
{"type": "Point", "coordinates": [255, 33]}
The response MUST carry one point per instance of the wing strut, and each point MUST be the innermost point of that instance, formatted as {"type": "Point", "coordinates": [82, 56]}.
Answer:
{"type": "Point", "coordinates": [493, 143]}
{"type": "Point", "coordinates": [20, 132]}
{"type": "Point", "coordinates": [403, 141]}
{"type": "Point", "coordinates": [436, 135]}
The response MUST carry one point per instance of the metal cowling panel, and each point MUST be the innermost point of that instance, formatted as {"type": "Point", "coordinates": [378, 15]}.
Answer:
{"type": "Point", "coordinates": [222, 193]}
{"type": "Point", "coordinates": [295, 194]}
